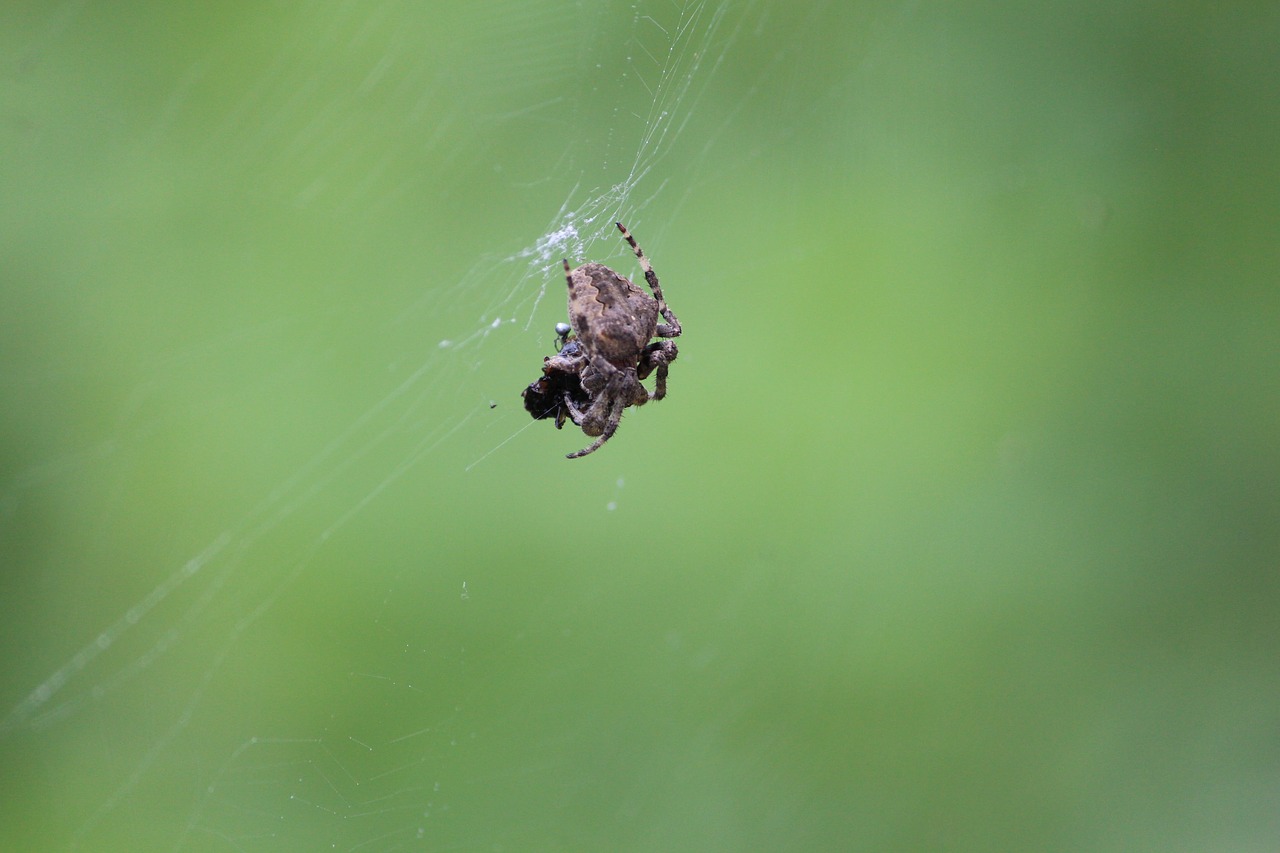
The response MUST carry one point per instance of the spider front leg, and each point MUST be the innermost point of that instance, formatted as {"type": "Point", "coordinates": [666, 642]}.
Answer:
{"type": "Point", "coordinates": [605, 425]}
{"type": "Point", "coordinates": [612, 391]}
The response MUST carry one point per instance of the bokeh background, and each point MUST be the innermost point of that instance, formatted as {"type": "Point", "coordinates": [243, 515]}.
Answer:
{"type": "Point", "coordinates": [958, 530]}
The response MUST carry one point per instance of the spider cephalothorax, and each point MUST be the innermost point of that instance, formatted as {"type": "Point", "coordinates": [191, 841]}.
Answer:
{"type": "Point", "coordinates": [610, 348]}
{"type": "Point", "coordinates": [614, 322]}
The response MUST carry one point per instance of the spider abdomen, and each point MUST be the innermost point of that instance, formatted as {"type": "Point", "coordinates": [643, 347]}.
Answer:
{"type": "Point", "coordinates": [613, 318]}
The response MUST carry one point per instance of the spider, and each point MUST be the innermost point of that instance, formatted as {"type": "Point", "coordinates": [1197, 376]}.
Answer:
{"type": "Point", "coordinates": [561, 379]}
{"type": "Point", "coordinates": [613, 322]}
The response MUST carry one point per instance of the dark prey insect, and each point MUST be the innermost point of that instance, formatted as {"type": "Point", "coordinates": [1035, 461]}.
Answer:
{"type": "Point", "coordinates": [561, 379]}
{"type": "Point", "coordinates": [614, 322]}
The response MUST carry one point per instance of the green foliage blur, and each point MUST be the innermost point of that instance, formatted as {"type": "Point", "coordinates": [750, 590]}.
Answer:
{"type": "Point", "coordinates": [958, 530]}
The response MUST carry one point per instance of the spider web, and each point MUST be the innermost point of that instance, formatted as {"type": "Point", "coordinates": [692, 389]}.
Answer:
{"type": "Point", "coordinates": [603, 95]}
{"type": "Point", "coordinates": [958, 521]}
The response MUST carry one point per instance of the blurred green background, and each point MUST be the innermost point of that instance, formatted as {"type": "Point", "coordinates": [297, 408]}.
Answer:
{"type": "Point", "coordinates": [958, 529]}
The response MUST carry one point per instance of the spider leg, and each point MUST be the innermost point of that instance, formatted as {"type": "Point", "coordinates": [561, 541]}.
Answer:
{"type": "Point", "coordinates": [592, 448]}
{"type": "Point", "coordinates": [660, 386]}
{"type": "Point", "coordinates": [656, 356]}
{"type": "Point", "coordinates": [599, 416]}
{"type": "Point", "coordinates": [664, 330]}
{"type": "Point", "coordinates": [575, 414]}
{"type": "Point", "coordinates": [614, 419]}
{"type": "Point", "coordinates": [601, 419]}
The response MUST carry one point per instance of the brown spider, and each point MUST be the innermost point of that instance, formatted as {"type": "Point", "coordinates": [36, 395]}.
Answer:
{"type": "Point", "coordinates": [614, 321]}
